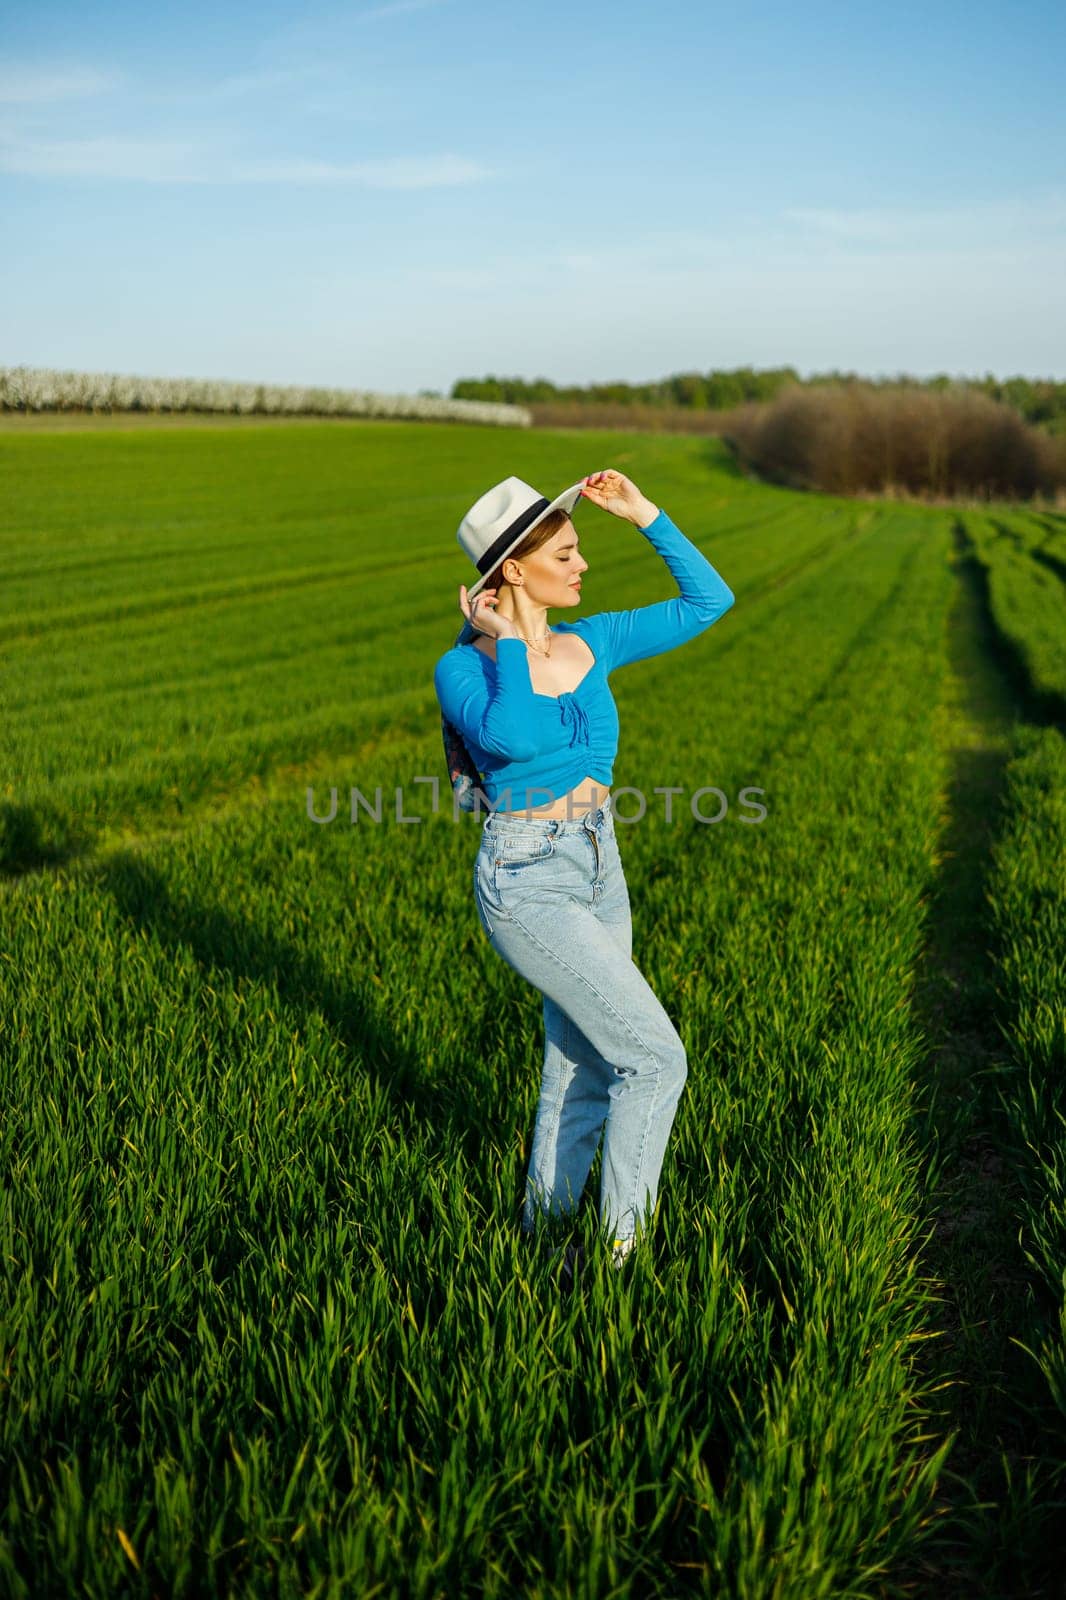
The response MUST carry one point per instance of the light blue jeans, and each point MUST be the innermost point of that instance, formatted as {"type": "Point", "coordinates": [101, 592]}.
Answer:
{"type": "Point", "coordinates": [552, 899]}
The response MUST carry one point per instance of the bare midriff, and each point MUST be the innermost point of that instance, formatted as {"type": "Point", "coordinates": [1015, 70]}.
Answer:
{"type": "Point", "coordinates": [585, 796]}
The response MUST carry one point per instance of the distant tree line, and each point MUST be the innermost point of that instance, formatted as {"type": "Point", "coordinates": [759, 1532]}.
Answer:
{"type": "Point", "coordinates": [1038, 400]}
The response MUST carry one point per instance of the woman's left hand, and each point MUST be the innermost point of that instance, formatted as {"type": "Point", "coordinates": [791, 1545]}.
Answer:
{"type": "Point", "coordinates": [614, 492]}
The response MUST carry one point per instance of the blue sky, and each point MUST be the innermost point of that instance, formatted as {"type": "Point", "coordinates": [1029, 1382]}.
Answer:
{"type": "Point", "coordinates": [396, 195]}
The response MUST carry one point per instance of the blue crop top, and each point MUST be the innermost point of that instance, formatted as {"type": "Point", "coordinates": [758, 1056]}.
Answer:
{"type": "Point", "coordinates": [534, 748]}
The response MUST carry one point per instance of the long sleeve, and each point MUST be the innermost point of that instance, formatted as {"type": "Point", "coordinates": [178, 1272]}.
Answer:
{"type": "Point", "coordinates": [499, 722]}
{"type": "Point", "coordinates": [649, 630]}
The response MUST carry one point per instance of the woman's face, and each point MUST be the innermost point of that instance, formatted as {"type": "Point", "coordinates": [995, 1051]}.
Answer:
{"type": "Point", "coordinates": [551, 576]}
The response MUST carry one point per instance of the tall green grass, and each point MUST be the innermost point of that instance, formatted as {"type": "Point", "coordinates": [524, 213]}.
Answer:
{"type": "Point", "coordinates": [267, 1320]}
{"type": "Point", "coordinates": [1025, 579]}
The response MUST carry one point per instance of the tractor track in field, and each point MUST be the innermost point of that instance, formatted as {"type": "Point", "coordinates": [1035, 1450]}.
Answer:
{"type": "Point", "coordinates": [836, 672]}
{"type": "Point", "coordinates": [989, 1540]}
{"type": "Point", "coordinates": [1042, 707]}
{"type": "Point", "coordinates": [1053, 563]}
{"type": "Point", "coordinates": [1035, 552]}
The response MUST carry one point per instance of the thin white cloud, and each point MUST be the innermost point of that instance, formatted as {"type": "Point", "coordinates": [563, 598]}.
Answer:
{"type": "Point", "coordinates": [28, 85]}
{"type": "Point", "coordinates": [709, 268]}
{"type": "Point", "coordinates": [997, 230]}
{"type": "Point", "coordinates": [330, 89]}
{"type": "Point", "coordinates": [178, 161]}
{"type": "Point", "coordinates": [994, 219]}
{"type": "Point", "coordinates": [161, 161]}
{"type": "Point", "coordinates": [319, 37]}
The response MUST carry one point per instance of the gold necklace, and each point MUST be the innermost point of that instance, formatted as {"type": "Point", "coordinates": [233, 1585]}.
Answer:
{"type": "Point", "coordinates": [549, 636]}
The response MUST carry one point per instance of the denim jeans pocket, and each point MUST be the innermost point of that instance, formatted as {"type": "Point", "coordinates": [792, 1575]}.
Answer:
{"type": "Point", "coordinates": [516, 852]}
{"type": "Point", "coordinates": [517, 864]}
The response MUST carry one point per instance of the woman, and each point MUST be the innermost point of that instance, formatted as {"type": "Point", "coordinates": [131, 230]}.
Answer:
{"type": "Point", "coordinates": [535, 712]}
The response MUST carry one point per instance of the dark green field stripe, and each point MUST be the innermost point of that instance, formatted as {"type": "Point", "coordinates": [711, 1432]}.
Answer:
{"type": "Point", "coordinates": [993, 1537]}
{"type": "Point", "coordinates": [1055, 564]}
{"type": "Point", "coordinates": [1043, 703]}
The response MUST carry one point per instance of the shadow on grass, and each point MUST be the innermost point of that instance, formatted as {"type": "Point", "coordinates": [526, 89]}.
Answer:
{"type": "Point", "coordinates": [352, 1008]}
{"type": "Point", "coordinates": [36, 837]}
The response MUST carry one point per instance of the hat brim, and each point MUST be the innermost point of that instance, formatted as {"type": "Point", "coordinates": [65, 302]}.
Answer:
{"type": "Point", "coordinates": [562, 502]}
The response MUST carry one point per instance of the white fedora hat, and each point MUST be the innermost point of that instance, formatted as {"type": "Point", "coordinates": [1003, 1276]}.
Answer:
{"type": "Point", "coordinates": [502, 518]}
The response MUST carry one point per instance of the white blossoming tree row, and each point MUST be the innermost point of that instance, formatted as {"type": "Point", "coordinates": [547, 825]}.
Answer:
{"type": "Point", "coordinates": [46, 389]}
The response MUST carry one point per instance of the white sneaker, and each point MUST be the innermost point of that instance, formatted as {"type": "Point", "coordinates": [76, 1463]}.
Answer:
{"type": "Point", "coordinates": [621, 1249]}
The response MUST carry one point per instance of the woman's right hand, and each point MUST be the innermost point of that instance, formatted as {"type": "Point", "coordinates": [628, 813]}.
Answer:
{"type": "Point", "coordinates": [482, 617]}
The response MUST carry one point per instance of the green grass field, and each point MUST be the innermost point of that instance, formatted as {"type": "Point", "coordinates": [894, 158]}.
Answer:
{"type": "Point", "coordinates": [268, 1325]}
